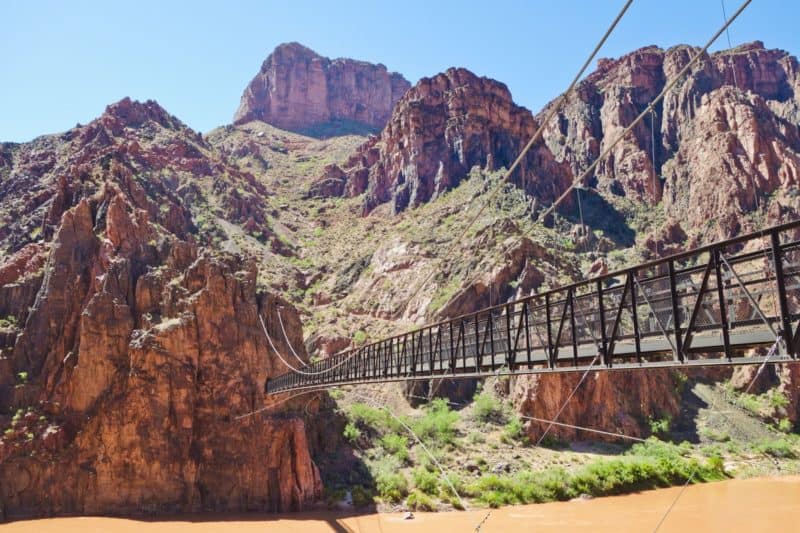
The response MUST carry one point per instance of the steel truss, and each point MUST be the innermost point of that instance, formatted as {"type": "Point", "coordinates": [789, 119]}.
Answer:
{"type": "Point", "coordinates": [715, 305]}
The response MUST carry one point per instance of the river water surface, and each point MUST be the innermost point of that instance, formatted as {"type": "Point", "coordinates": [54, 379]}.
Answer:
{"type": "Point", "coordinates": [764, 504]}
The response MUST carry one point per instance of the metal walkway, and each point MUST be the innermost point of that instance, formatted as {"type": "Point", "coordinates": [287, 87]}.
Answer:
{"type": "Point", "coordinates": [714, 305]}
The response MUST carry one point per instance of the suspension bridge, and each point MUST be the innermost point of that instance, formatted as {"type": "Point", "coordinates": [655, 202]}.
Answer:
{"type": "Point", "coordinates": [729, 303]}
{"type": "Point", "coordinates": [733, 302]}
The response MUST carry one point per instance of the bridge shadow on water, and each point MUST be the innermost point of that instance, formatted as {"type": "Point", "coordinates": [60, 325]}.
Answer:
{"type": "Point", "coordinates": [303, 520]}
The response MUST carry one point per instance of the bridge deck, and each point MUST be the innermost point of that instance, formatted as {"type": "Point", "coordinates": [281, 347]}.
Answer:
{"type": "Point", "coordinates": [726, 303]}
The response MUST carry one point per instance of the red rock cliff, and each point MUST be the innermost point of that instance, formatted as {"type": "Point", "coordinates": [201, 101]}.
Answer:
{"type": "Point", "coordinates": [726, 137]}
{"type": "Point", "coordinates": [297, 89]}
{"type": "Point", "coordinates": [128, 346]}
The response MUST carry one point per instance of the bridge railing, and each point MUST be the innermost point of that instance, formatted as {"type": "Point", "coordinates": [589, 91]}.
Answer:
{"type": "Point", "coordinates": [713, 304]}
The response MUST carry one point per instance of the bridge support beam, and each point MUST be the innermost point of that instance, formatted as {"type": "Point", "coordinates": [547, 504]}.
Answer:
{"type": "Point", "coordinates": [780, 284]}
{"type": "Point", "coordinates": [676, 318]}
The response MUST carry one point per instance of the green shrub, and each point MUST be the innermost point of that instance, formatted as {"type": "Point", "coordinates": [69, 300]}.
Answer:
{"type": "Point", "coordinates": [396, 445]}
{"type": "Point", "coordinates": [486, 408]}
{"type": "Point", "coordinates": [351, 432]}
{"type": "Point", "coordinates": [419, 501]}
{"type": "Point", "coordinates": [385, 469]}
{"type": "Point", "coordinates": [494, 490]}
{"type": "Point", "coordinates": [360, 337]}
{"type": "Point", "coordinates": [715, 462]}
{"type": "Point", "coordinates": [785, 425]}
{"type": "Point", "coordinates": [336, 394]}
{"type": "Point", "coordinates": [373, 418]}
{"type": "Point", "coordinates": [648, 465]}
{"type": "Point", "coordinates": [514, 431]}
{"type": "Point", "coordinates": [763, 405]}
{"type": "Point", "coordinates": [364, 414]}
{"type": "Point", "coordinates": [446, 492]}
{"type": "Point", "coordinates": [660, 450]}
{"type": "Point", "coordinates": [781, 448]}
{"type": "Point", "coordinates": [427, 482]}
{"type": "Point", "coordinates": [750, 402]}
{"type": "Point", "coordinates": [438, 424]}
{"type": "Point", "coordinates": [476, 437]}
{"type": "Point", "coordinates": [361, 496]}
{"type": "Point", "coordinates": [777, 399]}
{"type": "Point", "coordinates": [659, 426]}
{"type": "Point", "coordinates": [392, 486]}
{"type": "Point", "coordinates": [715, 436]}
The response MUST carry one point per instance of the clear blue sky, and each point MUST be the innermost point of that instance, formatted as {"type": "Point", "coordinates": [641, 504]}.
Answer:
{"type": "Point", "coordinates": [63, 62]}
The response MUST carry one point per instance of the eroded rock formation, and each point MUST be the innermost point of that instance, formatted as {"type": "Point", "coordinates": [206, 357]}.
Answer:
{"type": "Point", "coordinates": [297, 89]}
{"type": "Point", "coordinates": [439, 130]}
{"type": "Point", "coordinates": [129, 346]}
{"type": "Point", "coordinates": [726, 138]}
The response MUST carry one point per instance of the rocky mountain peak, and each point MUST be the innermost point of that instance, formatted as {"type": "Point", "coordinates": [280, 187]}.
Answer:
{"type": "Point", "coordinates": [133, 114]}
{"type": "Point", "coordinates": [441, 128]}
{"type": "Point", "coordinates": [299, 90]}
{"type": "Point", "coordinates": [705, 123]}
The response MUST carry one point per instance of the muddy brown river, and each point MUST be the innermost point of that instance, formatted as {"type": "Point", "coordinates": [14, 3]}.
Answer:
{"type": "Point", "coordinates": [764, 504]}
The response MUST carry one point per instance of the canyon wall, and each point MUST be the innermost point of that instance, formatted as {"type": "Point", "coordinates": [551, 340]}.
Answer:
{"type": "Point", "coordinates": [129, 347]}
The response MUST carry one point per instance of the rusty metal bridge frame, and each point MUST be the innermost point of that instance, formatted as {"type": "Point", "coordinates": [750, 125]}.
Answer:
{"type": "Point", "coordinates": [729, 303]}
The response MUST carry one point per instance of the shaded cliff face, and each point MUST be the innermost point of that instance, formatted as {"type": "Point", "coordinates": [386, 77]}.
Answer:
{"type": "Point", "coordinates": [726, 137]}
{"type": "Point", "coordinates": [439, 130]}
{"type": "Point", "coordinates": [297, 89]}
{"type": "Point", "coordinates": [129, 344]}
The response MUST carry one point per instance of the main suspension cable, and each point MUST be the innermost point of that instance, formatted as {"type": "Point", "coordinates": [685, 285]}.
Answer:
{"type": "Point", "coordinates": [730, 47]}
{"type": "Point", "coordinates": [288, 342]}
{"type": "Point", "coordinates": [297, 370]}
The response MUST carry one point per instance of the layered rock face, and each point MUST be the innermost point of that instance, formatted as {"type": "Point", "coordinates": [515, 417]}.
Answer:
{"type": "Point", "coordinates": [616, 402]}
{"type": "Point", "coordinates": [721, 143]}
{"type": "Point", "coordinates": [439, 130]}
{"type": "Point", "coordinates": [129, 348]}
{"type": "Point", "coordinates": [297, 89]}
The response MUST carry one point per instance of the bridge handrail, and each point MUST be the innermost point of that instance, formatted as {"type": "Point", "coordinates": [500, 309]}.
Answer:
{"type": "Point", "coordinates": [640, 266]}
{"type": "Point", "coordinates": [597, 287]}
